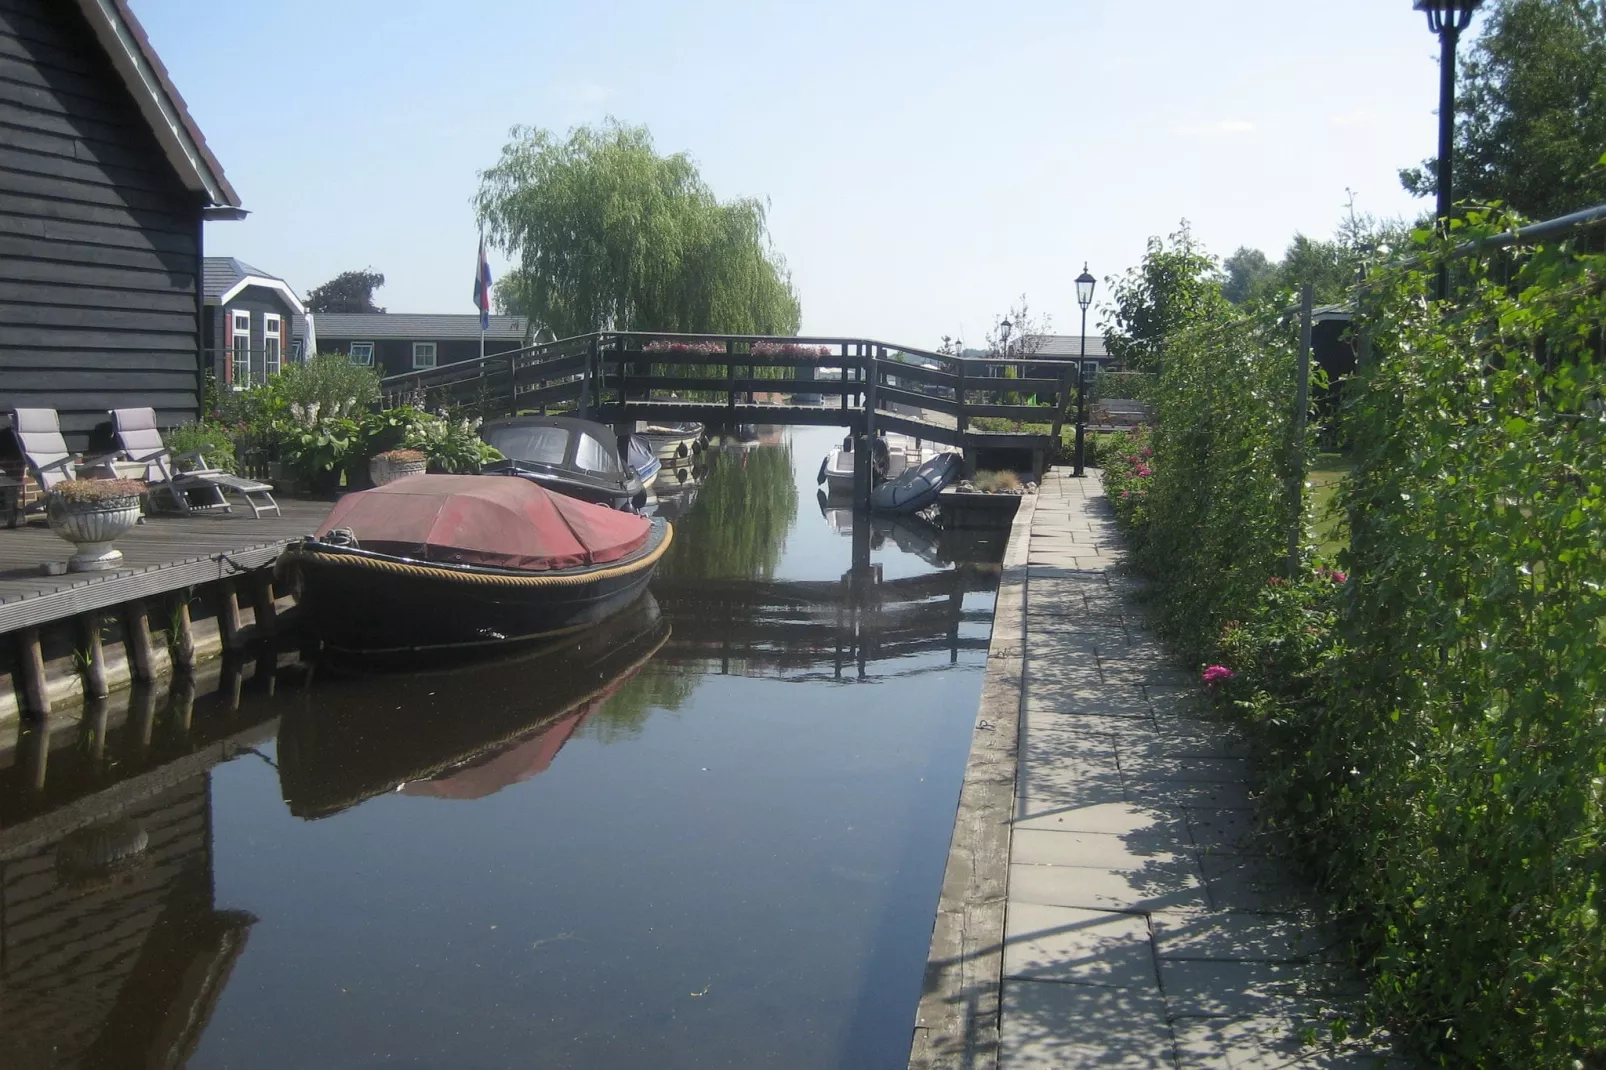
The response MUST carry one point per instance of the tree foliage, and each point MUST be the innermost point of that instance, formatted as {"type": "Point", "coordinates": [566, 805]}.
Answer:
{"type": "Point", "coordinates": [1247, 272]}
{"type": "Point", "coordinates": [349, 291]}
{"type": "Point", "coordinates": [1530, 111]}
{"type": "Point", "coordinates": [1176, 286]}
{"type": "Point", "coordinates": [606, 233]}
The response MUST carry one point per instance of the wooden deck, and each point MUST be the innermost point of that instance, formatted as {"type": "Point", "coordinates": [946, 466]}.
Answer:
{"type": "Point", "coordinates": [163, 554]}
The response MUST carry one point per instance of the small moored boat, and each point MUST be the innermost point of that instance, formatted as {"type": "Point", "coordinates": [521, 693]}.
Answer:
{"type": "Point", "coordinates": [436, 562]}
{"type": "Point", "coordinates": [917, 487]}
{"type": "Point", "coordinates": [575, 457]}
{"type": "Point", "coordinates": [675, 445]}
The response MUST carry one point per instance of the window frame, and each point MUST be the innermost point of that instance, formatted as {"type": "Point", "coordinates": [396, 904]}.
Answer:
{"type": "Point", "coordinates": [351, 354]}
{"type": "Point", "coordinates": [239, 371]}
{"type": "Point", "coordinates": [272, 344]}
{"type": "Point", "coordinates": [434, 356]}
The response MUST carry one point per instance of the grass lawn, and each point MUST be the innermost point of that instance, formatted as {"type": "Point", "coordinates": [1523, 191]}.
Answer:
{"type": "Point", "coordinates": [1324, 477]}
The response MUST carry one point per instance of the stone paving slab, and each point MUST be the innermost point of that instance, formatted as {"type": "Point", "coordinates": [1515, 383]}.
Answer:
{"type": "Point", "coordinates": [1149, 920]}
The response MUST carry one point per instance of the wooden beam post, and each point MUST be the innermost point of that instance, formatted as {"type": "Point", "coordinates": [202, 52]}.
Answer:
{"type": "Point", "coordinates": [228, 614]}
{"type": "Point", "coordinates": [183, 638]}
{"type": "Point", "coordinates": [137, 634]}
{"type": "Point", "coordinates": [1296, 443]}
{"type": "Point", "coordinates": [31, 660]}
{"type": "Point", "coordinates": [267, 613]}
{"type": "Point", "coordinates": [94, 652]}
{"type": "Point", "coordinates": [730, 376]}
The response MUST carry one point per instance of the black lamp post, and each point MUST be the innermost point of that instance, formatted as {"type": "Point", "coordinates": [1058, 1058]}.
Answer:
{"type": "Point", "coordinates": [1084, 297]}
{"type": "Point", "coordinates": [1447, 18]}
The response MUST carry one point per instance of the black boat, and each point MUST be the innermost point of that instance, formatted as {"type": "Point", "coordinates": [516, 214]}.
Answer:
{"type": "Point", "coordinates": [443, 563]}
{"type": "Point", "coordinates": [579, 458]}
{"type": "Point", "coordinates": [359, 735]}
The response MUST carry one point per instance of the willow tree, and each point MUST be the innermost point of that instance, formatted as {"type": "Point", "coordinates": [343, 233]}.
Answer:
{"type": "Point", "coordinates": [606, 233]}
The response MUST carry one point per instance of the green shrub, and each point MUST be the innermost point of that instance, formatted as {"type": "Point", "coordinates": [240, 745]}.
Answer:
{"type": "Point", "coordinates": [213, 441]}
{"type": "Point", "coordinates": [1428, 717]}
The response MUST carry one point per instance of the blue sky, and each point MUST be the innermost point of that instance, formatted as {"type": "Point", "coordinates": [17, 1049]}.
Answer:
{"type": "Point", "coordinates": [926, 163]}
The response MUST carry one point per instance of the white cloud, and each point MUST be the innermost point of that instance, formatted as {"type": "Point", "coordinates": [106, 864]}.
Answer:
{"type": "Point", "coordinates": [1219, 128]}
{"type": "Point", "coordinates": [1354, 118]}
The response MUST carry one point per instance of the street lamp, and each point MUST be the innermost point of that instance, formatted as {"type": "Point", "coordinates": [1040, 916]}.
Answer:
{"type": "Point", "coordinates": [1447, 18]}
{"type": "Point", "coordinates": [1084, 297]}
{"type": "Point", "coordinates": [1004, 327]}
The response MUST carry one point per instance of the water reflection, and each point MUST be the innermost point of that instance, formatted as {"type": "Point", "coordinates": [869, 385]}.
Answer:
{"type": "Point", "coordinates": [710, 833]}
{"type": "Point", "coordinates": [372, 734]}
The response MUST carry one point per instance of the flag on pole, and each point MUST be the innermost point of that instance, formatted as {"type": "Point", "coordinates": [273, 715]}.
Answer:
{"type": "Point", "coordinates": [482, 288]}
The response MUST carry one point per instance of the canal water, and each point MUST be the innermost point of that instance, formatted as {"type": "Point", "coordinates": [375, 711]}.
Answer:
{"type": "Point", "coordinates": [711, 834]}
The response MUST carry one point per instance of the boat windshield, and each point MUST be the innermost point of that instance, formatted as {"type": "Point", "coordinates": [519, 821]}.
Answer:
{"type": "Point", "coordinates": [593, 456]}
{"type": "Point", "coordinates": [542, 445]}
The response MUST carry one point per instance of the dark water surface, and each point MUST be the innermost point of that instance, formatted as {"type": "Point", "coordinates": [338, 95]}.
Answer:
{"type": "Point", "coordinates": [709, 835]}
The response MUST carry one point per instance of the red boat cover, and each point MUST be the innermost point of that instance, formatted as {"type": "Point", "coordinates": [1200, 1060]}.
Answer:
{"type": "Point", "coordinates": [500, 521]}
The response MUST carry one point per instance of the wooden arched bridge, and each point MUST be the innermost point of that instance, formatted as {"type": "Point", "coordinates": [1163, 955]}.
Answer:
{"type": "Point", "coordinates": [723, 380]}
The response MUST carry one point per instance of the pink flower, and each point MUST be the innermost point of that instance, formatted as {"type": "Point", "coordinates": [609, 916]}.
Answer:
{"type": "Point", "coordinates": [1216, 674]}
{"type": "Point", "coordinates": [1339, 577]}
{"type": "Point", "coordinates": [1143, 471]}
{"type": "Point", "coordinates": [1126, 494]}
{"type": "Point", "coordinates": [1148, 451]}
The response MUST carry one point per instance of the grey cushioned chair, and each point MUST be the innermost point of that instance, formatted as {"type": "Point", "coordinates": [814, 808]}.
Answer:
{"type": "Point", "coordinates": [44, 451]}
{"type": "Point", "coordinates": [201, 489]}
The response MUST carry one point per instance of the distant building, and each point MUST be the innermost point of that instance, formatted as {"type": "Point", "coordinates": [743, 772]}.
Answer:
{"type": "Point", "coordinates": [397, 342]}
{"type": "Point", "coordinates": [106, 180]}
{"type": "Point", "coordinates": [246, 331]}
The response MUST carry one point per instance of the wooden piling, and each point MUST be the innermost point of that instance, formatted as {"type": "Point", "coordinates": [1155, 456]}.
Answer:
{"type": "Point", "coordinates": [183, 636]}
{"type": "Point", "coordinates": [228, 614]}
{"type": "Point", "coordinates": [267, 613]}
{"type": "Point", "coordinates": [31, 660]}
{"type": "Point", "coordinates": [94, 652]}
{"type": "Point", "coordinates": [137, 634]}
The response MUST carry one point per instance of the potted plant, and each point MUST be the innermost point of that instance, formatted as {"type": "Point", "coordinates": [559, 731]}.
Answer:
{"type": "Point", "coordinates": [395, 464]}
{"type": "Point", "coordinates": [91, 514]}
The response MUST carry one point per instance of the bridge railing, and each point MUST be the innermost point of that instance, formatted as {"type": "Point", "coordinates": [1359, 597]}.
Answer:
{"type": "Point", "coordinates": [624, 375]}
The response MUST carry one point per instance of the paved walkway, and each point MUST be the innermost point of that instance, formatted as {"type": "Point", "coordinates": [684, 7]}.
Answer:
{"type": "Point", "coordinates": [1147, 924]}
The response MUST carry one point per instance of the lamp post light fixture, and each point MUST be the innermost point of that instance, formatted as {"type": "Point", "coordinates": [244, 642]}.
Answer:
{"type": "Point", "coordinates": [1447, 18]}
{"type": "Point", "coordinates": [1084, 297]}
{"type": "Point", "coordinates": [1004, 327]}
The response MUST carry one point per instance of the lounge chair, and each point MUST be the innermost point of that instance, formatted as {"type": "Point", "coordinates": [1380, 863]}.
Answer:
{"type": "Point", "coordinates": [141, 442]}
{"type": "Point", "coordinates": [44, 451]}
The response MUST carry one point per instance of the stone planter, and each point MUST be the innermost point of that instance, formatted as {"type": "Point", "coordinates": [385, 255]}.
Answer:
{"type": "Point", "coordinates": [382, 470]}
{"type": "Point", "coordinates": [92, 526]}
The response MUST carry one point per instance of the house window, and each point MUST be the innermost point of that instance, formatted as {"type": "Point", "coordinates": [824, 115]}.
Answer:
{"type": "Point", "coordinates": [272, 341]}
{"type": "Point", "coordinates": [295, 351]}
{"type": "Point", "coordinates": [362, 352]}
{"type": "Point", "coordinates": [423, 354]}
{"type": "Point", "coordinates": [241, 349]}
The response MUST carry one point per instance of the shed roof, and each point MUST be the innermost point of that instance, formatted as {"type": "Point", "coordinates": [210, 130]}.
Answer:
{"type": "Point", "coordinates": [224, 276]}
{"type": "Point", "coordinates": [159, 102]}
{"type": "Point", "coordinates": [415, 326]}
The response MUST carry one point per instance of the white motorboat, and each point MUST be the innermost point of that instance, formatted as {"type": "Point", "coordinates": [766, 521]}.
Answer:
{"type": "Point", "coordinates": [892, 455]}
{"type": "Point", "coordinates": [675, 445]}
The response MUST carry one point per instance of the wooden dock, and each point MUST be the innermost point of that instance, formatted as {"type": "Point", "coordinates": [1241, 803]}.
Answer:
{"type": "Point", "coordinates": [189, 586]}
{"type": "Point", "coordinates": [160, 555]}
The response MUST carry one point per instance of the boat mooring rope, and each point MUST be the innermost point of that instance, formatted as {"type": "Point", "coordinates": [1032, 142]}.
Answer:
{"type": "Point", "coordinates": [409, 568]}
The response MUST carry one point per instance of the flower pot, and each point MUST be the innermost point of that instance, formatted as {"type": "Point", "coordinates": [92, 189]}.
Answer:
{"type": "Point", "coordinates": [382, 470]}
{"type": "Point", "coordinates": [92, 526]}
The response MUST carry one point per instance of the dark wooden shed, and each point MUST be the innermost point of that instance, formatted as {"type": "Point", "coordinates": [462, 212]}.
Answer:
{"type": "Point", "coordinates": [104, 183]}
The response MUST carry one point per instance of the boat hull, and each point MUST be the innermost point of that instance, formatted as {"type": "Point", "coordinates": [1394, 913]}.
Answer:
{"type": "Point", "coordinates": [359, 601]}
